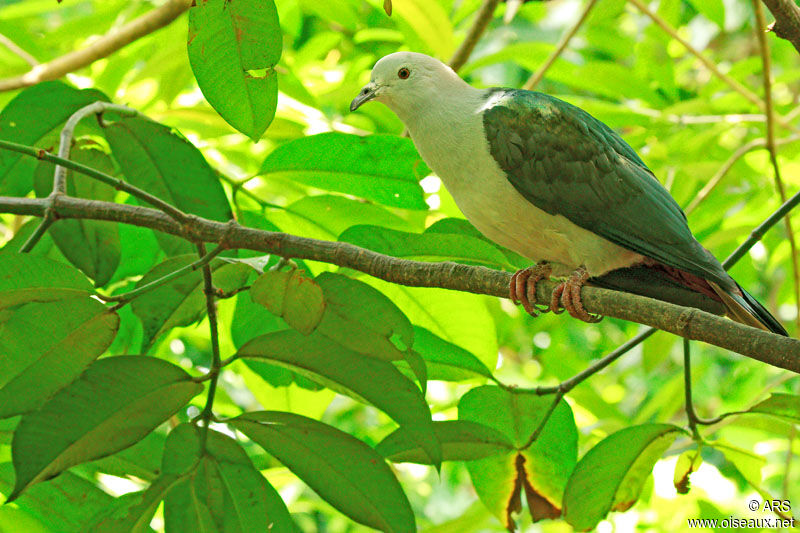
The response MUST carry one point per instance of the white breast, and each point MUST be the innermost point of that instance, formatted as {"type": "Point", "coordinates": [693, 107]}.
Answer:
{"type": "Point", "coordinates": [453, 144]}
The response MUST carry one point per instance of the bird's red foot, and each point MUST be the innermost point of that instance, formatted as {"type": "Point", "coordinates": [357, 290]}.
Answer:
{"type": "Point", "coordinates": [522, 288]}
{"type": "Point", "coordinates": [569, 293]}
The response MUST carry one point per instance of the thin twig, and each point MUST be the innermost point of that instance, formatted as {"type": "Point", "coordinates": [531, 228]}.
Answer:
{"type": "Point", "coordinates": [691, 414]}
{"type": "Point", "coordinates": [68, 132]}
{"type": "Point", "coordinates": [537, 76]}
{"type": "Point", "coordinates": [565, 386]}
{"type": "Point", "coordinates": [773, 152]}
{"type": "Point", "coordinates": [216, 360]}
{"type": "Point", "coordinates": [693, 323]}
{"type": "Point", "coordinates": [482, 19]}
{"type": "Point", "coordinates": [760, 230]}
{"type": "Point", "coordinates": [102, 47]}
{"type": "Point", "coordinates": [39, 232]}
{"type": "Point", "coordinates": [127, 297]}
{"type": "Point", "coordinates": [117, 183]}
{"type": "Point", "coordinates": [15, 49]}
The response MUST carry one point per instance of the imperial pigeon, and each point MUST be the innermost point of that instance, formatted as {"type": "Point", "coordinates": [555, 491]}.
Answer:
{"type": "Point", "coordinates": [549, 181]}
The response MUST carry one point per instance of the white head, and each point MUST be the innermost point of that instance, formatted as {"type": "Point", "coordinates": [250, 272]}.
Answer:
{"type": "Point", "coordinates": [408, 82]}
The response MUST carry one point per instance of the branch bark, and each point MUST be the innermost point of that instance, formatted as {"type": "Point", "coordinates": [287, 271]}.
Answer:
{"type": "Point", "coordinates": [482, 19]}
{"type": "Point", "coordinates": [102, 47]}
{"type": "Point", "coordinates": [686, 322]}
{"type": "Point", "coordinates": [787, 20]}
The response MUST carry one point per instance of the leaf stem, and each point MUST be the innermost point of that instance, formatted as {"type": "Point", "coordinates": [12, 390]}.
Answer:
{"type": "Point", "coordinates": [216, 361]}
{"type": "Point", "coordinates": [127, 297]}
{"type": "Point", "coordinates": [117, 183]}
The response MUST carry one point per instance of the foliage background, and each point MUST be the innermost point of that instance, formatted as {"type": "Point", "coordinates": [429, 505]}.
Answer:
{"type": "Point", "coordinates": [684, 121]}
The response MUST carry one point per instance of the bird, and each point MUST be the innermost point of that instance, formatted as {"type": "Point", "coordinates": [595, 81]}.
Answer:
{"type": "Point", "coordinates": [546, 179]}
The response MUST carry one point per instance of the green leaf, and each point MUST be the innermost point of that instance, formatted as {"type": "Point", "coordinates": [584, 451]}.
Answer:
{"type": "Point", "coordinates": [344, 471]}
{"type": "Point", "coordinates": [233, 50]}
{"type": "Point", "coordinates": [221, 484]}
{"type": "Point", "coordinates": [426, 26]}
{"type": "Point", "coordinates": [382, 168]}
{"type": "Point", "coordinates": [371, 379]}
{"type": "Point", "coordinates": [541, 470]}
{"type": "Point", "coordinates": [31, 278]}
{"type": "Point", "coordinates": [91, 245]}
{"type": "Point", "coordinates": [292, 296]}
{"type": "Point", "coordinates": [786, 406]}
{"type": "Point", "coordinates": [326, 216]}
{"type": "Point", "coordinates": [44, 346]}
{"type": "Point", "coordinates": [426, 246]}
{"type": "Point", "coordinates": [65, 503]}
{"type": "Point", "coordinates": [445, 360]}
{"type": "Point", "coordinates": [457, 317]}
{"type": "Point", "coordinates": [460, 226]}
{"type": "Point", "coordinates": [132, 512]}
{"type": "Point", "coordinates": [360, 318]}
{"type": "Point", "coordinates": [611, 475]}
{"type": "Point", "coordinates": [158, 160]}
{"type": "Point", "coordinates": [112, 405]}
{"type": "Point", "coordinates": [713, 10]}
{"type": "Point", "coordinates": [27, 119]}
{"type": "Point", "coordinates": [461, 440]}
{"type": "Point", "coordinates": [181, 302]}
{"type": "Point", "coordinates": [688, 462]}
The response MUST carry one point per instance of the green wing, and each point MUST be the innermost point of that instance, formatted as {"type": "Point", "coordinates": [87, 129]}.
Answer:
{"type": "Point", "coordinates": [566, 162]}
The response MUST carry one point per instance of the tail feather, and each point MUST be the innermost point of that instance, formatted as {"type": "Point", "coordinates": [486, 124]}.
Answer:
{"type": "Point", "coordinates": [747, 310]}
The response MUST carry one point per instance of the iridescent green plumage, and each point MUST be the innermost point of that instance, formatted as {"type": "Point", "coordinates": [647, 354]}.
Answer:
{"type": "Point", "coordinates": [566, 162]}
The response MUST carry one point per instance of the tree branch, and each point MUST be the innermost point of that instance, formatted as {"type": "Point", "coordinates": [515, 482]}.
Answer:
{"type": "Point", "coordinates": [787, 20]}
{"type": "Point", "coordinates": [482, 19]}
{"type": "Point", "coordinates": [216, 360]}
{"type": "Point", "coordinates": [686, 322]}
{"type": "Point", "coordinates": [102, 47]}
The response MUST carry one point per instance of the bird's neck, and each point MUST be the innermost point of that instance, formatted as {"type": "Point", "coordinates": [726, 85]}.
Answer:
{"type": "Point", "coordinates": [443, 126]}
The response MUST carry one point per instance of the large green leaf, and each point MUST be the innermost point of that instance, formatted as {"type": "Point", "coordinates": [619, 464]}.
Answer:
{"type": "Point", "coordinates": [132, 512]}
{"type": "Point", "coordinates": [542, 469]}
{"type": "Point", "coordinates": [782, 405]}
{"type": "Point", "coordinates": [461, 226]}
{"type": "Point", "coordinates": [445, 360]}
{"type": "Point", "coordinates": [382, 168]}
{"type": "Point", "coordinates": [65, 503]}
{"type": "Point", "coordinates": [91, 245]}
{"type": "Point", "coordinates": [44, 346]}
{"type": "Point", "coordinates": [326, 216]}
{"type": "Point", "coordinates": [344, 471]}
{"type": "Point", "coordinates": [292, 296]}
{"type": "Point", "coordinates": [112, 405]}
{"type": "Point", "coordinates": [371, 379]}
{"type": "Point", "coordinates": [359, 317]}
{"type": "Point", "coordinates": [233, 50]}
{"type": "Point", "coordinates": [31, 278]}
{"type": "Point", "coordinates": [461, 440]}
{"type": "Point", "coordinates": [426, 246]}
{"type": "Point", "coordinates": [611, 475]}
{"type": "Point", "coordinates": [29, 117]}
{"type": "Point", "coordinates": [221, 483]}
{"type": "Point", "coordinates": [181, 301]}
{"type": "Point", "coordinates": [158, 160]}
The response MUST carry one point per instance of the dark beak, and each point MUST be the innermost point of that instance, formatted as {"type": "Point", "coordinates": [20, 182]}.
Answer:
{"type": "Point", "coordinates": [365, 95]}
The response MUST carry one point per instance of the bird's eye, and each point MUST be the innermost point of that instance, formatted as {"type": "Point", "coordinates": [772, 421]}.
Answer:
{"type": "Point", "coordinates": [403, 73]}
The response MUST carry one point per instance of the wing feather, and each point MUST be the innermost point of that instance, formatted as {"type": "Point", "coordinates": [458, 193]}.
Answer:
{"type": "Point", "coordinates": [564, 161]}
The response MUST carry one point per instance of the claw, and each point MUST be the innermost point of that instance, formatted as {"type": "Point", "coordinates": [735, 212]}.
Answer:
{"type": "Point", "coordinates": [522, 288]}
{"type": "Point", "coordinates": [569, 292]}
